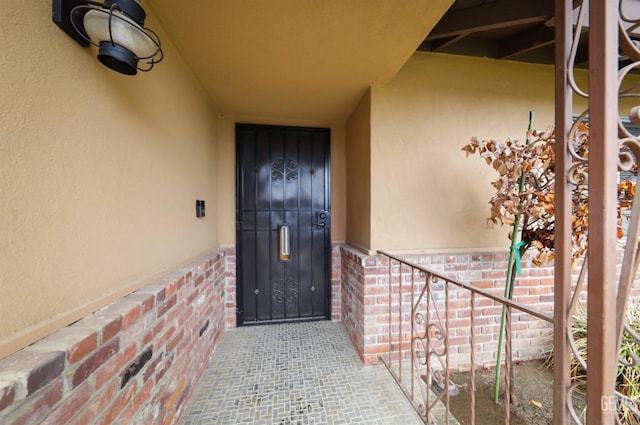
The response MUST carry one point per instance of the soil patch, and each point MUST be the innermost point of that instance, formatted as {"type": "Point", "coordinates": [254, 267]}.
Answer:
{"type": "Point", "coordinates": [533, 386]}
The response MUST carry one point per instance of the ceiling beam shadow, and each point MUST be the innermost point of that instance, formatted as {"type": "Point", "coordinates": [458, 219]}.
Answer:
{"type": "Point", "coordinates": [442, 43]}
{"type": "Point", "coordinates": [526, 41]}
{"type": "Point", "coordinates": [495, 15]}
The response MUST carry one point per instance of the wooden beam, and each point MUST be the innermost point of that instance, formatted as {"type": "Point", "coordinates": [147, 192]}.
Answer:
{"type": "Point", "coordinates": [442, 43]}
{"type": "Point", "coordinates": [489, 16]}
{"type": "Point", "coordinates": [526, 41]}
{"type": "Point", "coordinates": [467, 46]}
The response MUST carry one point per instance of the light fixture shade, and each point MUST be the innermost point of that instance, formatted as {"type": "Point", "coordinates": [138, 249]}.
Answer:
{"type": "Point", "coordinates": [116, 28]}
{"type": "Point", "coordinates": [124, 31]}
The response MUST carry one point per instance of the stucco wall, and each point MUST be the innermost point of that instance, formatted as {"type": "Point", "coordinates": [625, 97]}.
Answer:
{"type": "Point", "coordinates": [99, 173]}
{"type": "Point", "coordinates": [358, 150]}
{"type": "Point", "coordinates": [425, 194]}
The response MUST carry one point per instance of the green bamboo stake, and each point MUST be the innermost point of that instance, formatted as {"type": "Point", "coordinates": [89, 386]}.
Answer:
{"type": "Point", "coordinates": [514, 259]}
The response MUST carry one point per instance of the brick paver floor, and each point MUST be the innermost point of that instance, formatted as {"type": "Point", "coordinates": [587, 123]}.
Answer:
{"type": "Point", "coordinates": [298, 373]}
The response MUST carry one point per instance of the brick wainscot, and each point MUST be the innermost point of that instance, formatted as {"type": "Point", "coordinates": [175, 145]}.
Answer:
{"type": "Point", "coordinates": [136, 361]}
{"type": "Point", "coordinates": [365, 303]}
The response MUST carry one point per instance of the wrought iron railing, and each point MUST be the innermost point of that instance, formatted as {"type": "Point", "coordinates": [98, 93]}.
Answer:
{"type": "Point", "coordinates": [614, 57]}
{"type": "Point", "coordinates": [437, 326]}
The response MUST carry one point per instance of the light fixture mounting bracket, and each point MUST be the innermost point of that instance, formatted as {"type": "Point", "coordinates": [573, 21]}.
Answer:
{"type": "Point", "coordinates": [62, 18]}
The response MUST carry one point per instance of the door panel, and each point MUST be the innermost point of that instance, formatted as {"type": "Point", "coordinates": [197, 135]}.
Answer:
{"type": "Point", "coordinates": [283, 179]}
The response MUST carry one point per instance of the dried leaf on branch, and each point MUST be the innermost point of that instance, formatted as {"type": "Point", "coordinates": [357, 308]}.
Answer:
{"type": "Point", "coordinates": [535, 161]}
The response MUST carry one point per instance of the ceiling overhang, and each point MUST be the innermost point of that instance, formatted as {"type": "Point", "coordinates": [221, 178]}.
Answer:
{"type": "Point", "coordinates": [295, 59]}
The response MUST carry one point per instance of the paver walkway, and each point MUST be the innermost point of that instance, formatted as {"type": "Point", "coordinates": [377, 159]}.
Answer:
{"type": "Point", "coordinates": [299, 373]}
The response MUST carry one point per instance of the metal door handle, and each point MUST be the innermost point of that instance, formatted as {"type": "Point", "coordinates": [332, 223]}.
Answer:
{"type": "Point", "coordinates": [284, 243]}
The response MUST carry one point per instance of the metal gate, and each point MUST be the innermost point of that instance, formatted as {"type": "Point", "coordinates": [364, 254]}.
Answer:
{"type": "Point", "coordinates": [283, 223]}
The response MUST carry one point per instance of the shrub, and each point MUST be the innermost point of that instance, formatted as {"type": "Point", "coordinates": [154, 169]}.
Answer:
{"type": "Point", "coordinates": [628, 375]}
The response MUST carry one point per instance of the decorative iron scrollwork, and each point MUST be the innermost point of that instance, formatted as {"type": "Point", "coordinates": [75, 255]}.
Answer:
{"type": "Point", "coordinates": [292, 171]}
{"type": "Point", "coordinates": [277, 170]}
{"type": "Point", "coordinates": [277, 291]}
{"type": "Point", "coordinates": [285, 290]}
{"type": "Point", "coordinates": [280, 170]}
{"type": "Point", "coordinates": [429, 337]}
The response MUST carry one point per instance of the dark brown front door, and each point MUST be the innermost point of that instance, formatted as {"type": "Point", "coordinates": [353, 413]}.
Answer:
{"type": "Point", "coordinates": [283, 221]}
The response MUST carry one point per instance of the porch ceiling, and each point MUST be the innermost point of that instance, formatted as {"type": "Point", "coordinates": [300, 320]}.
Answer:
{"type": "Point", "coordinates": [521, 30]}
{"type": "Point", "coordinates": [298, 59]}
{"type": "Point", "coordinates": [503, 29]}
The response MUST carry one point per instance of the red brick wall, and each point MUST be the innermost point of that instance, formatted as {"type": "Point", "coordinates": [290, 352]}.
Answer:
{"type": "Point", "coordinates": [531, 337]}
{"type": "Point", "coordinates": [336, 295]}
{"type": "Point", "coordinates": [366, 296]}
{"type": "Point", "coordinates": [365, 302]}
{"type": "Point", "coordinates": [136, 361]}
{"type": "Point", "coordinates": [231, 302]}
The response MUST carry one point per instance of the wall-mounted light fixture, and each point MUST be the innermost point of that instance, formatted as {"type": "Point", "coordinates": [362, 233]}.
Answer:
{"type": "Point", "coordinates": [115, 27]}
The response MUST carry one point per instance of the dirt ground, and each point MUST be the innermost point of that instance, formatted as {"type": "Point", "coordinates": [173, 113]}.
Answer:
{"type": "Point", "coordinates": [533, 383]}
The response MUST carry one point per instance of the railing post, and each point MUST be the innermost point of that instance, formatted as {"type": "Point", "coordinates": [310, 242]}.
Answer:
{"type": "Point", "coordinates": [427, 371]}
{"type": "Point", "coordinates": [413, 311]}
{"type": "Point", "coordinates": [473, 358]}
{"type": "Point", "coordinates": [603, 166]}
{"type": "Point", "coordinates": [562, 263]}
{"type": "Point", "coordinates": [400, 323]}
{"type": "Point", "coordinates": [447, 364]}
{"type": "Point", "coordinates": [390, 313]}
